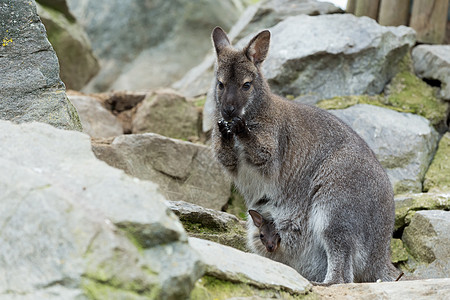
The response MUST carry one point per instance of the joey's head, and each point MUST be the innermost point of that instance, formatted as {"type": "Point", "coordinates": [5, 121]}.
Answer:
{"type": "Point", "coordinates": [239, 83]}
{"type": "Point", "coordinates": [267, 232]}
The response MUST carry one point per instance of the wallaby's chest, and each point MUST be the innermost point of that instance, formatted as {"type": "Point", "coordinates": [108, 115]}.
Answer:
{"type": "Point", "coordinates": [252, 184]}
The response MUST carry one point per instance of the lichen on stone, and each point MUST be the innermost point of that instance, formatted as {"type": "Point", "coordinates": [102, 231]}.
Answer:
{"type": "Point", "coordinates": [398, 251]}
{"type": "Point", "coordinates": [407, 205]}
{"type": "Point", "coordinates": [437, 177]}
{"type": "Point", "coordinates": [213, 288]}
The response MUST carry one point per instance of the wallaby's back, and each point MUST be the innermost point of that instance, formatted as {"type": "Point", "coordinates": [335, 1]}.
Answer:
{"type": "Point", "coordinates": [331, 201]}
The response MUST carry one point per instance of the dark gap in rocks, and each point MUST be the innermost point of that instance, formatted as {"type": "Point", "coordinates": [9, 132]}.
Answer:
{"type": "Point", "coordinates": [432, 82]}
{"type": "Point", "coordinates": [398, 233]}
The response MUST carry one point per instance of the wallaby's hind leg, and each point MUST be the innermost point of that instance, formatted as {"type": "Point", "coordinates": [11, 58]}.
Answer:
{"type": "Point", "coordinates": [339, 252]}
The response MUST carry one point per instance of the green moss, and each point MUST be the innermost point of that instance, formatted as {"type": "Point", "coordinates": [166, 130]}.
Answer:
{"type": "Point", "coordinates": [398, 251]}
{"type": "Point", "coordinates": [236, 204]}
{"type": "Point", "coordinates": [200, 102]}
{"type": "Point", "coordinates": [212, 288]}
{"type": "Point", "coordinates": [438, 175]}
{"type": "Point", "coordinates": [407, 205]}
{"type": "Point", "coordinates": [98, 290]}
{"type": "Point", "coordinates": [343, 102]}
{"type": "Point", "coordinates": [410, 94]}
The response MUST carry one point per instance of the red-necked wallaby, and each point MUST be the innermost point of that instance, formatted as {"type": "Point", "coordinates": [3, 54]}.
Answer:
{"type": "Point", "coordinates": [330, 199]}
{"type": "Point", "coordinates": [268, 234]}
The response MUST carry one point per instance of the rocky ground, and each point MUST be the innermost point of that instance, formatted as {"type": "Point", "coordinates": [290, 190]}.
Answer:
{"type": "Point", "coordinates": [136, 207]}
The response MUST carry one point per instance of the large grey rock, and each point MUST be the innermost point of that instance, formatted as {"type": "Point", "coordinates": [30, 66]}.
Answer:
{"type": "Point", "coordinates": [72, 46]}
{"type": "Point", "coordinates": [96, 120]}
{"type": "Point", "coordinates": [330, 55]}
{"type": "Point", "coordinates": [183, 170]}
{"type": "Point", "coordinates": [334, 55]}
{"type": "Point", "coordinates": [433, 62]}
{"type": "Point", "coordinates": [427, 239]}
{"type": "Point", "coordinates": [149, 44]}
{"type": "Point", "coordinates": [74, 227]}
{"type": "Point", "coordinates": [414, 289]}
{"type": "Point", "coordinates": [404, 143]}
{"type": "Point", "coordinates": [264, 14]}
{"type": "Point", "coordinates": [167, 113]}
{"type": "Point", "coordinates": [30, 86]}
{"type": "Point", "coordinates": [229, 264]}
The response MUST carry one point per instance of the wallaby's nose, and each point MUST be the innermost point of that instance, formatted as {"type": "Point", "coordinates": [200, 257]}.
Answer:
{"type": "Point", "coordinates": [228, 111]}
{"type": "Point", "coordinates": [270, 248]}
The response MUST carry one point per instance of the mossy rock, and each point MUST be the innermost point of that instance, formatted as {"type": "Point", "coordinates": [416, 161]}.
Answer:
{"type": "Point", "coordinates": [407, 205]}
{"type": "Point", "coordinates": [405, 93]}
{"type": "Point", "coordinates": [234, 236]}
{"type": "Point", "coordinates": [398, 251]}
{"type": "Point", "coordinates": [212, 225]}
{"type": "Point", "coordinates": [212, 288]}
{"type": "Point", "coordinates": [437, 177]}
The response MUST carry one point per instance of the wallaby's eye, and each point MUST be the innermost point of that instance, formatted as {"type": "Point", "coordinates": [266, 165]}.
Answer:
{"type": "Point", "coordinates": [246, 86]}
{"type": "Point", "coordinates": [261, 236]}
{"type": "Point", "coordinates": [220, 85]}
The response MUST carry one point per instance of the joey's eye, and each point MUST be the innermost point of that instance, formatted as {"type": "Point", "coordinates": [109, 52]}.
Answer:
{"type": "Point", "coordinates": [261, 236]}
{"type": "Point", "coordinates": [246, 86]}
{"type": "Point", "coordinates": [220, 85]}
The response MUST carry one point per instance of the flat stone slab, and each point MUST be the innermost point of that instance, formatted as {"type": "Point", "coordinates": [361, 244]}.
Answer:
{"type": "Point", "coordinates": [414, 289]}
{"type": "Point", "coordinates": [227, 263]}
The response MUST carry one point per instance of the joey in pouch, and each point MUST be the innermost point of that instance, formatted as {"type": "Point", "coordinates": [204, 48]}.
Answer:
{"type": "Point", "coordinates": [268, 235]}
{"type": "Point", "coordinates": [330, 199]}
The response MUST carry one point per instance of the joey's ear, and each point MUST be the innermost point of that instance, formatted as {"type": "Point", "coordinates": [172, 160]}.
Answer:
{"type": "Point", "coordinates": [258, 47]}
{"type": "Point", "coordinates": [256, 217]}
{"type": "Point", "coordinates": [220, 39]}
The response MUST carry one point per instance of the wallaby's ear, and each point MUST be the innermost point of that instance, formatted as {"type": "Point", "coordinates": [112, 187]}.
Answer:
{"type": "Point", "coordinates": [256, 217]}
{"type": "Point", "coordinates": [258, 47]}
{"type": "Point", "coordinates": [220, 39]}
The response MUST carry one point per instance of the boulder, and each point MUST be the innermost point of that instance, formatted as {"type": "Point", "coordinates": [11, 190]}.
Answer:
{"type": "Point", "coordinates": [432, 62]}
{"type": "Point", "coordinates": [330, 55]}
{"type": "Point", "coordinates": [438, 174]}
{"type": "Point", "coordinates": [183, 170]}
{"type": "Point", "coordinates": [264, 14]}
{"type": "Point", "coordinates": [96, 120]}
{"type": "Point", "coordinates": [72, 46]}
{"type": "Point", "coordinates": [413, 289]}
{"type": "Point", "coordinates": [145, 45]}
{"type": "Point", "coordinates": [404, 143]}
{"type": "Point", "coordinates": [404, 93]}
{"type": "Point", "coordinates": [30, 86]}
{"type": "Point", "coordinates": [167, 113]}
{"type": "Point", "coordinates": [407, 205]}
{"type": "Point", "coordinates": [79, 228]}
{"type": "Point", "coordinates": [427, 239]}
{"type": "Point", "coordinates": [233, 273]}
{"type": "Point", "coordinates": [210, 224]}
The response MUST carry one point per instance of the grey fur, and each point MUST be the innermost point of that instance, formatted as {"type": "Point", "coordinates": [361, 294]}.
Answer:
{"type": "Point", "coordinates": [330, 199]}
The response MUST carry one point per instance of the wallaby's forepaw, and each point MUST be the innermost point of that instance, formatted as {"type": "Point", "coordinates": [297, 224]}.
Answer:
{"type": "Point", "coordinates": [225, 129]}
{"type": "Point", "coordinates": [230, 128]}
{"type": "Point", "coordinates": [238, 125]}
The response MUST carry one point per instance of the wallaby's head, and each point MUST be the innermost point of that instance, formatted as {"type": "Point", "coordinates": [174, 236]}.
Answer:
{"type": "Point", "coordinates": [267, 231]}
{"type": "Point", "coordinates": [239, 83]}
